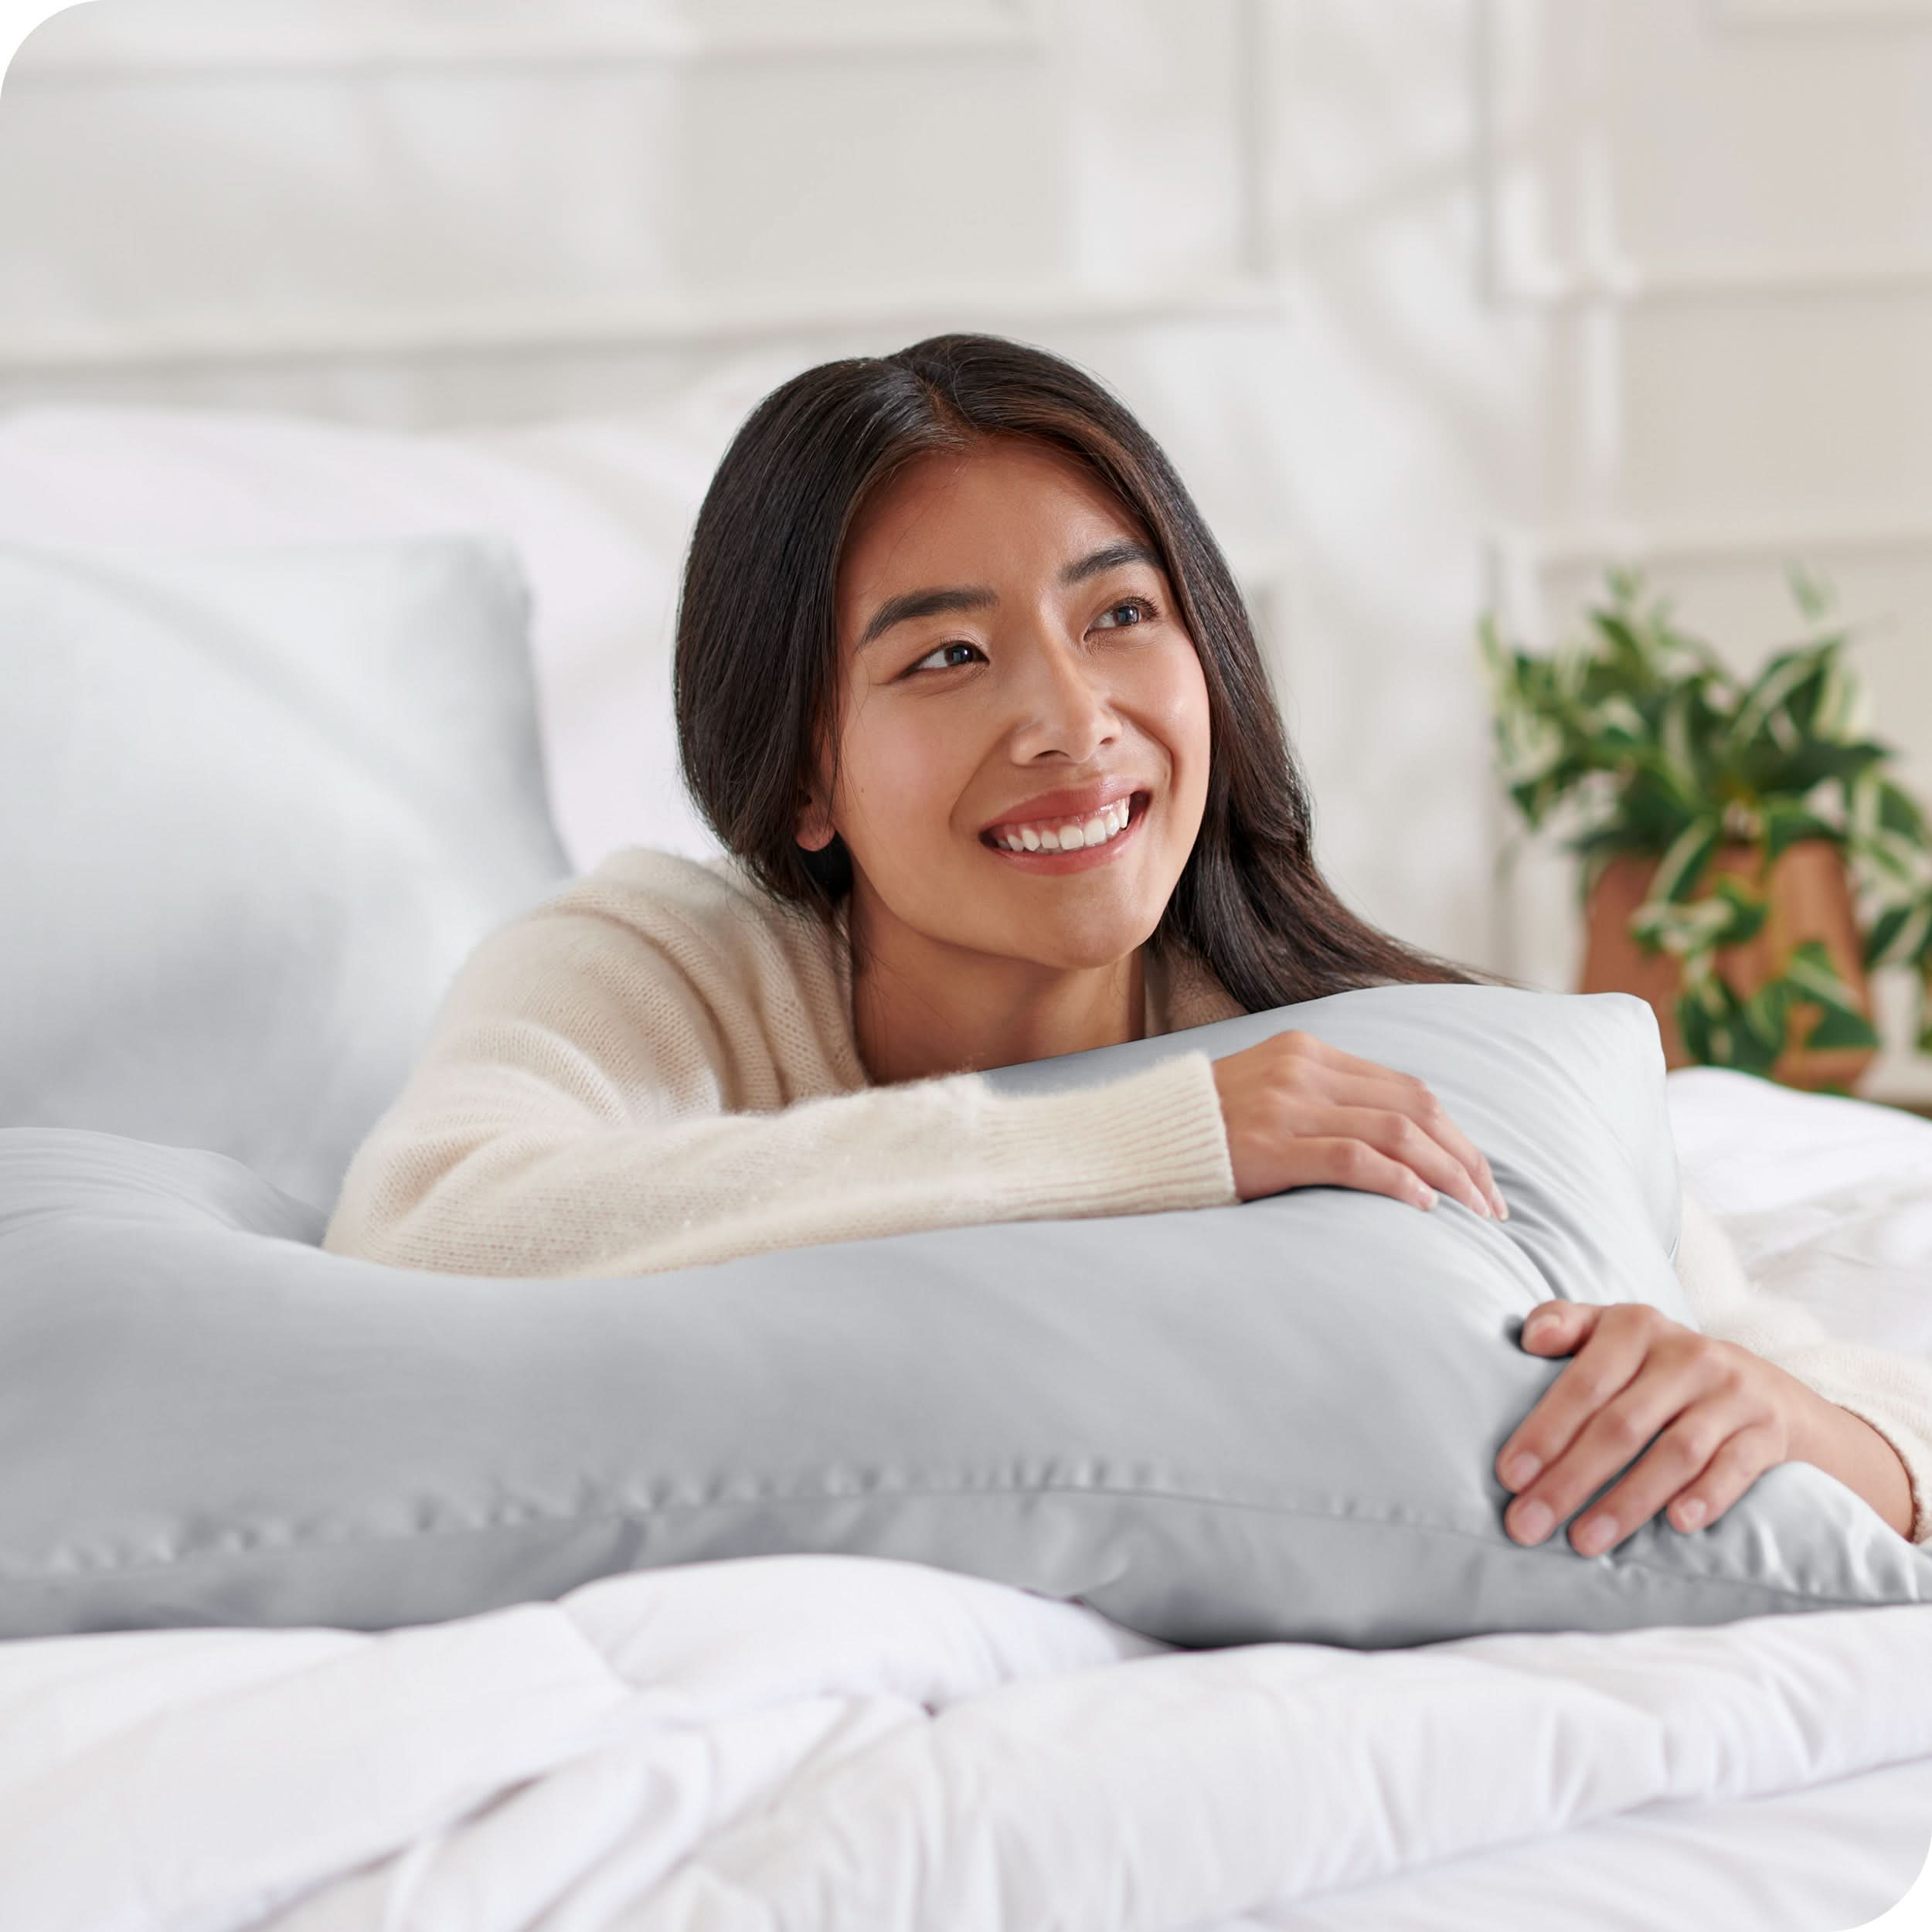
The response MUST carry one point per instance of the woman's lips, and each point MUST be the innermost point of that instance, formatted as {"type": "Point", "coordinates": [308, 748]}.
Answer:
{"type": "Point", "coordinates": [1088, 856]}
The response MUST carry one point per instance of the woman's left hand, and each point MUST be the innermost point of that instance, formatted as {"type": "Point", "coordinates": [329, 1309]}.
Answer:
{"type": "Point", "coordinates": [1725, 1415]}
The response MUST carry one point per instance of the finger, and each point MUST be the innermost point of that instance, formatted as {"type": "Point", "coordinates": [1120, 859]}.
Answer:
{"type": "Point", "coordinates": [1676, 1376]}
{"type": "Point", "coordinates": [1731, 1472]}
{"type": "Point", "coordinates": [1680, 1457]}
{"type": "Point", "coordinates": [1551, 1327]}
{"type": "Point", "coordinates": [1400, 1137]}
{"type": "Point", "coordinates": [1435, 1119]}
{"type": "Point", "coordinates": [1343, 1160]}
{"type": "Point", "coordinates": [1372, 1085]}
{"type": "Point", "coordinates": [1555, 1327]}
{"type": "Point", "coordinates": [1606, 1362]}
{"type": "Point", "coordinates": [1401, 1093]}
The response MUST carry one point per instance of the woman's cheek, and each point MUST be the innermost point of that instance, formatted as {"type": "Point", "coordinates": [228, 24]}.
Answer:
{"type": "Point", "coordinates": [902, 788]}
{"type": "Point", "coordinates": [1179, 704]}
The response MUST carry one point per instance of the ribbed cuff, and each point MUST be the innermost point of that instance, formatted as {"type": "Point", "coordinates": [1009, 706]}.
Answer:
{"type": "Point", "coordinates": [1152, 1142]}
{"type": "Point", "coordinates": [1908, 1445]}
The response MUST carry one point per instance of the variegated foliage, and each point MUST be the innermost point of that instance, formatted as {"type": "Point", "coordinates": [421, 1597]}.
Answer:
{"type": "Point", "coordinates": [1640, 733]}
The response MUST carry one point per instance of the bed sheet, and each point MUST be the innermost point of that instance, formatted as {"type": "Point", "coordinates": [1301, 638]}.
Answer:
{"type": "Point", "coordinates": [1827, 1200]}
{"type": "Point", "coordinates": [1822, 1860]}
{"type": "Point", "coordinates": [804, 1742]}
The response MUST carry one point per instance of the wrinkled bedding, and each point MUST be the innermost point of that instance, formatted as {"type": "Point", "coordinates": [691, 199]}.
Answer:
{"type": "Point", "coordinates": [826, 1742]}
{"type": "Point", "coordinates": [802, 1742]}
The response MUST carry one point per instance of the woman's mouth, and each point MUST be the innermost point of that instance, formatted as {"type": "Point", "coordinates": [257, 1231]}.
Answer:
{"type": "Point", "coordinates": [1083, 857]}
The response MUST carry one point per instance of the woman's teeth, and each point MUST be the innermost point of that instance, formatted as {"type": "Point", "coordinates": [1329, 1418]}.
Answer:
{"type": "Point", "coordinates": [1068, 835]}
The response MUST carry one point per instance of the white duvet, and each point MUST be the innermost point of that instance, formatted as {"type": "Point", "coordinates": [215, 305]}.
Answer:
{"type": "Point", "coordinates": [809, 1742]}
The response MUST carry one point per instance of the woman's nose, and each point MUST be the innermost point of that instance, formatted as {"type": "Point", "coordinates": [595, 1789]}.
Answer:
{"type": "Point", "coordinates": [1065, 702]}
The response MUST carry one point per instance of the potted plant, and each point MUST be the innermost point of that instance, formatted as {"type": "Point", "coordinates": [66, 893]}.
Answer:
{"type": "Point", "coordinates": [1747, 861]}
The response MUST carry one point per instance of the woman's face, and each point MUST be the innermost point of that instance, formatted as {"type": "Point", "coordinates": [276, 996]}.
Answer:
{"type": "Point", "coordinates": [1006, 633]}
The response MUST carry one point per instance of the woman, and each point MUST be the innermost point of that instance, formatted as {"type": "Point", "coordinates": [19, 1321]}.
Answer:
{"type": "Point", "coordinates": [966, 688]}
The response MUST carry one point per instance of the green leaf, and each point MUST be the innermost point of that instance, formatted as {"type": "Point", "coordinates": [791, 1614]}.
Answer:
{"type": "Point", "coordinates": [1771, 691]}
{"type": "Point", "coordinates": [1613, 724]}
{"type": "Point", "coordinates": [1898, 859]}
{"type": "Point", "coordinates": [1899, 934]}
{"type": "Point", "coordinates": [1763, 1016]}
{"type": "Point", "coordinates": [1836, 1028]}
{"type": "Point", "coordinates": [1658, 802]}
{"type": "Point", "coordinates": [1612, 837]}
{"type": "Point", "coordinates": [1716, 1032]}
{"type": "Point", "coordinates": [1678, 926]}
{"type": "Point", "coordinates": [1811, 973]}
{"type": "Point", "coordinates": [1795, 720]}
{"type": "Point", "coordinates": [1682, 865]}
{"type": "Point", "coordinates": [1694, 1023]}
{"type": "Point", "coordinates": [1813, 594]}
{"type": "Point", "coordinates": [1899, 812]}
{"type": "Point", "coordinates": [1749, 910]}
{"type": "Point", "coordinates": [1771, 769]}
{"type": "Point", "coordinates": [1626, 582]}
{"type": "Point", "coordinates": [1884, 931]}
{"type": "Point", "coordinates": [1749, 1051]}
{"type": "Point", "coordinates": [1787, 824]}
{"type": "Point", "coordinates": [1628, 655]}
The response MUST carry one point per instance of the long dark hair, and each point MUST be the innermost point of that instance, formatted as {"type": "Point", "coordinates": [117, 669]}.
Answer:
{"type": "Point", "coordinates": [756, 678]}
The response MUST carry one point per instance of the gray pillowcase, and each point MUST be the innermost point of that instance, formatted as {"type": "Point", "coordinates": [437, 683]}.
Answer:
{"type": "Point", "coordinates": [1275, 1420]}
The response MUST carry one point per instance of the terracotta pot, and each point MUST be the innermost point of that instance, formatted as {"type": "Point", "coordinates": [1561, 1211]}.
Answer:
{"type": "Point", "coordinates": [1811, 898]}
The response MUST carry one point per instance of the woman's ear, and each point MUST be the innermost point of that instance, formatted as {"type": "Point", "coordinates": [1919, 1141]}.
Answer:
{"type": "Point", "coordinates": [815, 831]}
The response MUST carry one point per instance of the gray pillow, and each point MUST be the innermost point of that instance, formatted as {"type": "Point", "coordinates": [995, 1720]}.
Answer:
{"type": "Point", "coordinates": [256, 807]}
{"type": "Point", "coordinates": [1272, 1420]}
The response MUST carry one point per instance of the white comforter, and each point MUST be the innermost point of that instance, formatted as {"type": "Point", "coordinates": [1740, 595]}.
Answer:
{"type": "Point", "coordinates": [826, 1742]}
{"type": "Point", "coordinates": [803, 1741]}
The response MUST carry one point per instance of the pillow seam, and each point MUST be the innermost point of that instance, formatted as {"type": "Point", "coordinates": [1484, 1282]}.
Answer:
{"type": "Point", "coordinates": [644, 1512]}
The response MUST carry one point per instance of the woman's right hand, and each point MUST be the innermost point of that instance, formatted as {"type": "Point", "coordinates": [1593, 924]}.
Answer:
{"type": "Point", "coordinates": [1300, 1112]}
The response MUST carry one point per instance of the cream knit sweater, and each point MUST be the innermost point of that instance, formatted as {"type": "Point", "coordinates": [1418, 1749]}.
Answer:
{"type": "Point", "coordinates": [655, 1068]}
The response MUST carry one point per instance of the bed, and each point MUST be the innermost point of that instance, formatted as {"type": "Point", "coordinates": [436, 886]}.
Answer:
{"type": "Point", "coordinates": [812, 1740]}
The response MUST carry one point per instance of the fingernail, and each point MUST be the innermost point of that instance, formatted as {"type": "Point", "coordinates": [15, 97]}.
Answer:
{"type": "Point", "coordinates": [1520, 1471]}
{"type": "Point", "coordinates": [1484, 1208]}
{"type": "Point", "coordinates": [1593, 1534]}
{"type": "Point", "coordinates": [1502, 1209]}
{"type": "Point", "coordinates": [1426, 1199]}
{"type": "Point", "coordinates": [1689, 1514]}
{"type": "Point", "coordinates": [1533, 1521]}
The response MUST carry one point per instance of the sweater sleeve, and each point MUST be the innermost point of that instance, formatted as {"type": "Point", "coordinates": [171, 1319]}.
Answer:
{"type": "Point", "coordinates": [1891, 1391]}
{"type": "Point", "coordinates": [569, 1118]}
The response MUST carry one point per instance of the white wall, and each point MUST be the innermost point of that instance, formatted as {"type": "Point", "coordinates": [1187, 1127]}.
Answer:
{"type": "Point", "coordinates": [1573, 280]}
{"type": "Point", "coordinates": [1720, 218]}
{"type": "Point", "coordinates": [1433, 301]}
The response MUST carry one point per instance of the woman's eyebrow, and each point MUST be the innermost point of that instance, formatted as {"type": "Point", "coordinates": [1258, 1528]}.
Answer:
{"type": "Point", "coordinates": [910, 605]}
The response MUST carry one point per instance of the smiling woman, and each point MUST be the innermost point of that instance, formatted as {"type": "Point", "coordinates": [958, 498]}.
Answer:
{"type": "Point", "coordinates": [966, 688]}
{"type": "Point", "coordinates": [1055, 698]}
{"type": "Point", "coordinates": [981, 584]}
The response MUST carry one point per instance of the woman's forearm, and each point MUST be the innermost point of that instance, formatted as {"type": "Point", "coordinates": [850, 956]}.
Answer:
{"type": "Point", "coordinates": [1846, 1446]}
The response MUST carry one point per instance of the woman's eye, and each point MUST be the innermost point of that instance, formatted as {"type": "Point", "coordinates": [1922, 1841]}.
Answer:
{"type": "Point", "coordinates": [1142, 610]}
{"type": "Point", "coordinates": [937, 651]}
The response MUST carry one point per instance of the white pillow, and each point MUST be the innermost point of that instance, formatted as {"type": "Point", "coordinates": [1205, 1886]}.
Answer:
{"type": "Point", "coordinates": [599, 509]}
{"type": "Point", "coordinates": [256, 807]}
